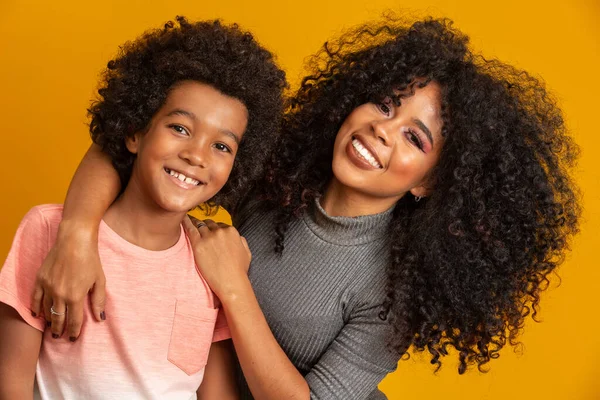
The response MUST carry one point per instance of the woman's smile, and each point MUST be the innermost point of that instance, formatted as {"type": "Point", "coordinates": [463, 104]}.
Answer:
{"type": "Point", "coordinates": [367, 157]}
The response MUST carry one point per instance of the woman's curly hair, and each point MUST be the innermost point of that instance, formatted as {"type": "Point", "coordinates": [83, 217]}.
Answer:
{"type": "Point", "coordinates": [470, 261]}
{"type": "Point", "coordinates": [136, 84]}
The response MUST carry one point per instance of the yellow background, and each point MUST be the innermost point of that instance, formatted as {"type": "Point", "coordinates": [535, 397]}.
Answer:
{"type": "Point", "coordinates": [51, 53]}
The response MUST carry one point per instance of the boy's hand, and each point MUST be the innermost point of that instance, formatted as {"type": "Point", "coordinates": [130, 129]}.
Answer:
{"type": "Point", "coordinates": [222, 256]}
{"type": "Point", "coordinates": [70, 271]}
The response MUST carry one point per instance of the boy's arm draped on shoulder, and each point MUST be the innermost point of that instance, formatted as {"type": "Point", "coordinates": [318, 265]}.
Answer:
{"type": "Point", "coordinates": [72, 268]}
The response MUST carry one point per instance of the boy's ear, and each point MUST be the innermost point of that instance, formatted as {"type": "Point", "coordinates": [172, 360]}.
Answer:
{"type": "Point", "coordinates": [133, 142]}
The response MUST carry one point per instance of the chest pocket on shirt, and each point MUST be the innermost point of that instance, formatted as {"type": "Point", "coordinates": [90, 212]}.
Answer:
{"type": "Point", "coordinates": [191, 337]}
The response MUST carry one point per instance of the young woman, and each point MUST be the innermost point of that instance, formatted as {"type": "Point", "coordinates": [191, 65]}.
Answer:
{"type": "Point", "coordinates": [419, 196]}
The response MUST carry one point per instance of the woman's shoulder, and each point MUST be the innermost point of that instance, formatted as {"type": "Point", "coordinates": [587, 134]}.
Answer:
{"type": "Point", "coordinates": [248, 206]}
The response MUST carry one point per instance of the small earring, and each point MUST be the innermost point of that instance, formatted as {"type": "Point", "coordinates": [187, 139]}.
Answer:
{"type": "Point", "coordinates": [418, 198]}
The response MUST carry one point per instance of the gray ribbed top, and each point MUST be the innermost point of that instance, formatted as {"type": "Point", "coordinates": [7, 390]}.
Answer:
{"type": "Point", "coordinates": [322, 298]}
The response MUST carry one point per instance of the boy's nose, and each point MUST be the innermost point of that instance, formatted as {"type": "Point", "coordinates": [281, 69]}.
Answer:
{"type": "Point", "coordinates": [196, 155]}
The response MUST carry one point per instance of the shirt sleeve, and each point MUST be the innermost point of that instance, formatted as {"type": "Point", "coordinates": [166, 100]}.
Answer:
{"type": "Point", "coordinates": [17, 277]}
{"type": "Point", "coordinates": [357, 360]}
{"type": "Point", "coordinates": [221, 328]}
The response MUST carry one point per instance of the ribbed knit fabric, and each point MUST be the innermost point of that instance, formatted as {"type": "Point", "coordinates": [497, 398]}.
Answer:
{"type": "Point", "coordinates": [322, 298]}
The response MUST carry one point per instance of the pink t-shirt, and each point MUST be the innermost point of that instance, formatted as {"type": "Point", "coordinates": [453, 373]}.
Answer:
{"type": "Point", "coordinates": [161, 318]}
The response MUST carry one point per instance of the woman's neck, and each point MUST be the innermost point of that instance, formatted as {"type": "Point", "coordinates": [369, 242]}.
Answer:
{"type": "Point", "coordinates": [142, 222]}
{"type": "Point", "coordinates": [341, 201]}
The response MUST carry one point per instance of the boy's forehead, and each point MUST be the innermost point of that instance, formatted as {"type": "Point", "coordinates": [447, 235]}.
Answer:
{"type": "Point", "coordinates": [198, 101]}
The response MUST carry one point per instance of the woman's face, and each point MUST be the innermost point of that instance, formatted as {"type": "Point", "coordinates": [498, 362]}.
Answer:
{"type": "Point", "coordinates": [383, 151]}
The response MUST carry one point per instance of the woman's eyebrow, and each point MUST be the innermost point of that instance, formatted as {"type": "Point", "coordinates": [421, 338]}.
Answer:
{"type": "Point", "coordinates": [425, 129]}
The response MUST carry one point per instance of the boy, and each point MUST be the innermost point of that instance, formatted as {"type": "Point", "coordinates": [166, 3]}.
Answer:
{"type": "Point", "coordinates": [174, 108]}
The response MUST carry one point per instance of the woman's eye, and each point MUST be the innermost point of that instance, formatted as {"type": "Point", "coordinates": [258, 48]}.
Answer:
{"type": "Point", "coordinates": [179, 129]}
{"type": "Point", "coordinates": [385, 107]}
{"type": "Point", "coordinates": [222, 147]}
{"type": "Point", "coordinates": [414, 137]}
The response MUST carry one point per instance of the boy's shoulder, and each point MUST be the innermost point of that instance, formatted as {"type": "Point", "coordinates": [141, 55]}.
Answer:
{"type": "Point", "coordinates": [42, 218]}
{"type": "Point", "coordinates": [50, 214]}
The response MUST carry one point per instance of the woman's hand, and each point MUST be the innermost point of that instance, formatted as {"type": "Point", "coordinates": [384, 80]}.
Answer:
{"type": "Point", "coordinates": [70, 271]}
{"type": "Point", "coordinates": [222, 256]}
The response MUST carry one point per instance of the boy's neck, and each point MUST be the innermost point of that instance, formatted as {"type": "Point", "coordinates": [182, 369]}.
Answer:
{"type": "Point", "coordinates": [142, 222]}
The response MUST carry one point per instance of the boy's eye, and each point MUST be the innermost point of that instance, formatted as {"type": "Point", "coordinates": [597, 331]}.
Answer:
{"type": "Point", "coordinates": [179, 129]}
{"type": "Point", "coordinates": [222, 147]}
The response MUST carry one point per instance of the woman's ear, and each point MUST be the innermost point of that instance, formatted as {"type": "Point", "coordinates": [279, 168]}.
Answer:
{"type": "Point", "coordinates": [420, 191]}
{"type": "Point", "coordinates": [425, 187]}
{"type": "Point", "coordinates": [133, 143]}
{"type": "Point", "coordinates": [423, 190]}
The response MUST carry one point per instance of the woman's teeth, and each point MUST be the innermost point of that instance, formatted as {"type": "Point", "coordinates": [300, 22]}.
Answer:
{"type": "Point", "coordinates": [364, 153]}
{"type": "Point", "coordinates": [182, 177]}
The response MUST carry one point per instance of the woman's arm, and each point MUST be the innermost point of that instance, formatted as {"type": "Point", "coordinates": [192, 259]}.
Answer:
{"type": "Point", "coordinates": [19, 351]}
{"type": "Point", "coordinates": [268, 371]}
{"type": "Point", "coordinates": [219, 374]}
{"type": "Point", "coordinates": [223, 258]}
{"type": "Point", "coordinates": [351, 367]}
{"type": "Point", "coordinates": [72, 268]}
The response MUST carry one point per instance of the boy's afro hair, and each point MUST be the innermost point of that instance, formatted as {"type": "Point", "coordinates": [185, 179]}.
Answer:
{"type": "Point", "coordinates": [136, 84]}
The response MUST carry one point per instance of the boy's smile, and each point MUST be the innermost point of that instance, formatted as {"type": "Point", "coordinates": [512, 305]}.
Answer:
{"type": "Point", "coordinates": [185, 156]}
{"type": "Point", "coordinates": [185, 181]}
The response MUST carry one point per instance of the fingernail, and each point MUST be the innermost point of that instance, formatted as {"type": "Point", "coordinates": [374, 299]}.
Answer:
{"type": "Point", "coordinates": [48, 324]}
{"type": "Point", "coordinates": [54, 336]}
{"type": "Point", "coordinates": [103, 316]}
{"type": "Point", "coordinates": [33, 314]}
{"type": "Point", "coordinates": [72, 338]}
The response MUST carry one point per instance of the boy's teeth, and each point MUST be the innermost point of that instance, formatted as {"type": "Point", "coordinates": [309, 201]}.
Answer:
{"type": "Point", "coordinates": [366, 154]}
{"type": "Point", "coordinates": [183, 178]}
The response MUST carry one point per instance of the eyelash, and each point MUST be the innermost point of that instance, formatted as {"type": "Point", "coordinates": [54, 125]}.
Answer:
{"type": "Point", "coordinates": [219, 146]}
{"type": "Point", "coordinates": [224, 149]}
{"type": "Point", "coordinates": [387, 109]}
{"type": "Point", "coordinates": [412, 135]}
{"type": "Point", "coordinates": [176, 128]}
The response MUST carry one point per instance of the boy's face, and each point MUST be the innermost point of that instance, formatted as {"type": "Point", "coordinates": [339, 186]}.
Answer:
{"type": "Point", "coordinates": [187, 153]}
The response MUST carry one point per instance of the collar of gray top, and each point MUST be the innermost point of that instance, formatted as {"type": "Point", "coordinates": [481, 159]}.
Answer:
{"type": "Point", "coordinates": [349, 231]}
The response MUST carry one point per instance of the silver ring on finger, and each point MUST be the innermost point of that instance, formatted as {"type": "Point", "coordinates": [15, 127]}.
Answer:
{"type": "Point", "coordinates": [54, 312]}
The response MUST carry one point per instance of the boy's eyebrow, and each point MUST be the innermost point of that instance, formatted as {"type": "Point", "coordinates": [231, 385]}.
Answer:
{"type": "Point", "coordinates": [189, 114]}
{"type": "Point", "coordinates": [425, 129]}
{"type": "Point", "coordinates": [179, 111]}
